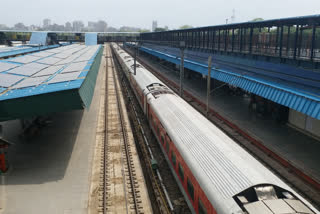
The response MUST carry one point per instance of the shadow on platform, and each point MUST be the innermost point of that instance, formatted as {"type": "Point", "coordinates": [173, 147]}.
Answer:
{"type": "Point", "coordinates": [45, 157]}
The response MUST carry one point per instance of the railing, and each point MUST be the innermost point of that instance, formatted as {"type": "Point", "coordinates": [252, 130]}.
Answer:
{"type": "Point", "coordinates": [65, 36]}
{"type": "Point", "coordinates": [294, 38]}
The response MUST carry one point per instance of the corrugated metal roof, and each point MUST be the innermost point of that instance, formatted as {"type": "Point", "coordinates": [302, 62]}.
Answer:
{"type": "Point", "coordinates": [45, 95]}
{"type": "Point", "coordinates": [299, 100]}
{"type": "Point", "coordinates": [38, 38]}
{"type": "Point", "coordinates": [11, 51]}
{"type": "Point", "coordinates": [87, 88]}
{"type": "Point", "coordinates": [91, 38]}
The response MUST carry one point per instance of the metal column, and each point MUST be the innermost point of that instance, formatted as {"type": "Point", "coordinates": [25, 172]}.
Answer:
{"type": "Point", "coordinates": [135, 60]}
{"type": "Point", "coordinates": [296, 42]}
{"type": "Point", "coordinates": [208, 84]}
{"type": "Point", "coordinates": [251, 38]}
{"type": "Point", "coordinates": [182, 46]}
{"type": "Point", "coordinates": [281, 40]}
{"type": "Point", "coordinates": [288, 41]}
{"type": "Point", "coordinates": [313, 41]}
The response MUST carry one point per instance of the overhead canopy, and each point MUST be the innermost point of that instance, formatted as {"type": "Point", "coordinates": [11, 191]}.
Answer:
{"type": "Point", "coordinates": [56, 80]}
{"type": "Point", "coordinates": [287, 94]}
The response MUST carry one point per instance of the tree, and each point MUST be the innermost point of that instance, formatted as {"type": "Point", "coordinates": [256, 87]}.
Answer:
{"type": "Point", "coordinates": [256, 30]}
{"type": "Point", "coordinates": [257, 20]}
{"type": "Point", "coordinates": [159, 29]}
{"type": "Point", "coordinates": [4, 27]}
{"type": "Point", "coordinates": [144, 30]}
{"type": "Point", "coordinates": [20, 26]}
{"type": "Point", "coordinates": [129, 29]}
{"type": "Point", "coordinates": [185, 27]}
{"type": "Point", "coordinates": [112, 29]}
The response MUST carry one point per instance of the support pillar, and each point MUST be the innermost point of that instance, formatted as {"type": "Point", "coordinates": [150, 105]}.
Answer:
{"type": "Point", "coordinates": [208, 84]}
{"type": "Point", "coordinates": [182, 47]}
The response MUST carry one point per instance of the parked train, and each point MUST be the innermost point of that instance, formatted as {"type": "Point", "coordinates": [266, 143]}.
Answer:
{"type": "Point", "coordinates": [214, 173]}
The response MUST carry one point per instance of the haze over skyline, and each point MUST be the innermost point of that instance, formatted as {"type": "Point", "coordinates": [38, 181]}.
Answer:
{"type": "Point", "coordinates": [140, 13]}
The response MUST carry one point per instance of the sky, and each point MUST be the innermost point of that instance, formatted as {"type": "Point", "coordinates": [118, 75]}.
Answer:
{"type": "Point", "coordinates": [141, 13]}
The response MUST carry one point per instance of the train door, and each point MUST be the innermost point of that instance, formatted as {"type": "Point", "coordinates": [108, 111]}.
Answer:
{"type": "Point", "coordinates": [145, 105]}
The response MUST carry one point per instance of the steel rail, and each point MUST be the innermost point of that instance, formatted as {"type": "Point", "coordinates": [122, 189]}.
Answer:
{"type": "Point", "coordinates": [125, 139]}
{"type": "Point", "coordinates": [105, 159]}
{"type": "Point", "coordinates": [147, 150]}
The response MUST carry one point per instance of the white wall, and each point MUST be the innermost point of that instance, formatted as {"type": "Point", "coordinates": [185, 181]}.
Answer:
{"type": "Point", "coordinates": [304, 122]}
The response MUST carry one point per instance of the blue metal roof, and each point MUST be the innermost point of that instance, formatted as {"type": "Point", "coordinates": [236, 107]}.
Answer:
{"type": "Point", "coordinates": [45, 82]}
{"type": "Point", "coordinates": [12, 51]}
{"type": "Point", "coordinates": [39, 38]}
{"type": "Point", "coordinates": [303, 101]}
{"type": "Point", "coordinates": [87, 56]}
{"type": "Point", "coordinates": [91, 38]}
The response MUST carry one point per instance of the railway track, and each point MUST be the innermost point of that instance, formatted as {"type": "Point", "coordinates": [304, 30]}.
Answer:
{"type": "Point", "coordinates": [164, 188]}
{"type": "Point", "coordinates": [294, 177]}
{"type": "Point", "coordinates": [122, 185]}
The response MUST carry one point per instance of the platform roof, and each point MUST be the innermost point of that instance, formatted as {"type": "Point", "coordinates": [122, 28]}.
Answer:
{"type": "Point", "coordinates": [302, 95]}
{"type": "Point", "coordinates": [54, 80]}
{"type": "Point", "coordinates": [22, 49]}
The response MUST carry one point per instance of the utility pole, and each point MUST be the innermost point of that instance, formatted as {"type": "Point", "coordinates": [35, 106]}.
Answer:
{"type": "Point", "coordinates": [208, 83]}
{"type": "Point", "coordinates": [138, 48]}
{"type": "Point", "coordinates": [182, 47]}
{"type": "Point", "coordinates": [135, 60]}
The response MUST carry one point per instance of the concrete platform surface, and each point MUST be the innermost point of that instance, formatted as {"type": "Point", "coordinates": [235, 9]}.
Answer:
{"type": "Point", "coordinates": [51, 172]}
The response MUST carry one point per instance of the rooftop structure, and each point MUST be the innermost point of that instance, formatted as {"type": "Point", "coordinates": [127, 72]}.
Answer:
{"type": "Point", "coordinates": [22, 49]}
{"type": "Point", "coordinates": [39, 38]}
{"type": "Point", "coordinates": [274, 59]}
{"type": "Point", "coordinates": [54, 80]}
{"type": "Point", "coordinates": [91, 38]}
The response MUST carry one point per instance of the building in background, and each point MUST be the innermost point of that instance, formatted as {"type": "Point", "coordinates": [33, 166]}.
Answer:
{"type": "Point", "coordinates": [34, 28]}
{"type": "Point", "coordinates": [154, 25]}
{"type": "Point", "coordinates": [91, 26]}
{"type": "Point", "coordinates": [233, 17]}
{"type": "Point", "coordinates": [46, 23]}
{"type": "Point", "coordinates": [68, 26]}
{"type": "Point", "coordinates": [99, 26]}
{"type": "Point", "coordinates": [77, 26]}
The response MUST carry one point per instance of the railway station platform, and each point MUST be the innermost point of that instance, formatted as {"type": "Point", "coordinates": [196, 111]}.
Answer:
{"type": "Point", "coordinates": [291, 86]}
{"type": "Point", "coordinates": [296, 147]}
{"type": "Point", "coordinates": [51, 172]}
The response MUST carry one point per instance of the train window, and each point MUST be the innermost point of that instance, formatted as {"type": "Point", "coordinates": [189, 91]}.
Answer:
{"type": "Point", "coordinates": [173, 157]}
{"type": "Point", "coordinates": [181, 173]}
{"type": "Point", "coordinates": [167, 147]}
{"type": "Point", "coordinates": [202, 208]}
{"type": "Point", "coordinates": [154, 122]}
{"type": "Point", "coordinates": [162, 139]}
{"type": "Point", "coordinates": [190, 189]}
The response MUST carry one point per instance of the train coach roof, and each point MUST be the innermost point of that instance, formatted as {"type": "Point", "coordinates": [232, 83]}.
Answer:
{"type": "Point", "coordinates": [224, 170]}
{"type": "Point", "coordinates": [143, 77]}
{"type": "Point", "coordinates": [221, 166]}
